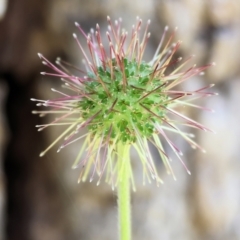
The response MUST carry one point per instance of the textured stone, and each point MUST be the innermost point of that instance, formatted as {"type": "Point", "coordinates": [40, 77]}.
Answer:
{"type": "Point", "coordinates": [216, 198]}
{"type": "Point", "coordinates": [225, 43]}
{"type": "Point", "coordinates": [224, 12]}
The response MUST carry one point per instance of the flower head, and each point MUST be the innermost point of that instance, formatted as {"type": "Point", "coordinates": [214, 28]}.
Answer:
{"type": "Point", "coordinates": [122, 101]}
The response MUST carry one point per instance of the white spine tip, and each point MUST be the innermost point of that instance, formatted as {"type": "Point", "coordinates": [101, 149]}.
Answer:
{"type": "Point", "coordinates": [188, 172]}
{"type": "Point", "coordinates": [204, 151]}
{"type": "Point", "coordinates": [41, 154]}
{"type": "Point", "coordinates": [76, 24]}
{"type": "Point", "coordinates": [44, 63]}
{"type": "Point", "coordinates": [39, 54]}
{"type": "Point", "coordinates": [98, 183]}
{"type": "Point", "coordinates": [75, 35]}
{"type": "Point", "coordinates": [43, 73]}
{"type": "Point", "coordinates": [149, 21]}
{"type": "Point", "coordinates": [214, 64]}
{"type": "Point", "coordinates": [108, 18]}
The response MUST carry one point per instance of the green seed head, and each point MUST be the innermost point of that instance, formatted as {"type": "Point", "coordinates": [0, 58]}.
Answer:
{"type": "Point", "coordinates": [121, 105]}
{"type": "Point", "coordinates": [123, 102]}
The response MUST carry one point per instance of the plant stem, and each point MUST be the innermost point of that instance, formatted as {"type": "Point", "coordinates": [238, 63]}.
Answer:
{"type": "Point", "coordinates": [124, 195]}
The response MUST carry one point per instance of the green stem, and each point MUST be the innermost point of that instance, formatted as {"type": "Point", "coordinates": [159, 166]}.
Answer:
{"type": "Point", "coordinates": [124, 196]}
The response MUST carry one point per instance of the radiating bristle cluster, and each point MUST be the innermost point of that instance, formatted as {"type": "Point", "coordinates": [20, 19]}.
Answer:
{"type": "Point", "coordinates": [122, 101]}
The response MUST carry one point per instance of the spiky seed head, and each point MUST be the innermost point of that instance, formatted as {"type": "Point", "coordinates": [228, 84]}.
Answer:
{"type": "Point", "coordinates": [123, 101]}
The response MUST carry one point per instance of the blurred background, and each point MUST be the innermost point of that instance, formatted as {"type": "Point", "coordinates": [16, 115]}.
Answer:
{"type": "Point", "coordinates": [40, 198]}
